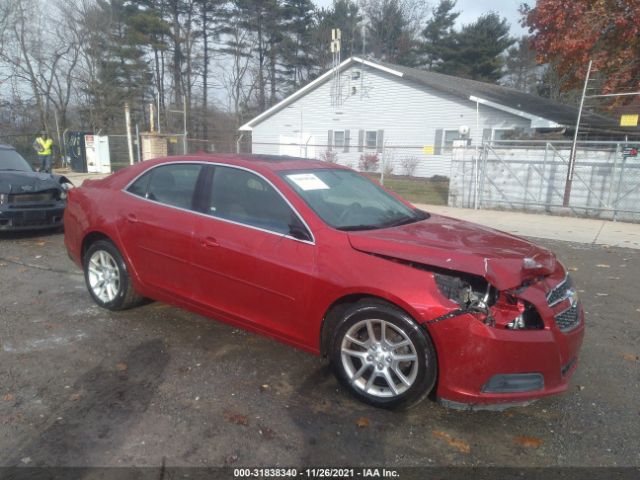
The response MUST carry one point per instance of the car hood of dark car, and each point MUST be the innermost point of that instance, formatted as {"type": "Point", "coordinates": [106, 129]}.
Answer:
{"type": "Point", "coordinates": [26, 182]}
{"type": "Point", "coordinates": [504, 260]}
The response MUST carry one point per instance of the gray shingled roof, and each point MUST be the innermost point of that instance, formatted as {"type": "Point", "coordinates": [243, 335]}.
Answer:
{"type": "Point", "coordinates": [508, 97]}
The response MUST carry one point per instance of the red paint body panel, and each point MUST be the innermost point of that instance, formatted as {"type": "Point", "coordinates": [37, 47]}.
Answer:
{"type": "Point", "coordinates": [282, 287]}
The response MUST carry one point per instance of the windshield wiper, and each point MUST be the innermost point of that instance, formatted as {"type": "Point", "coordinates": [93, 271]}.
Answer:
{"type": "Point", "coordinates": [353, 228]}
{"type": "Point", "coordinates": [406, 219]}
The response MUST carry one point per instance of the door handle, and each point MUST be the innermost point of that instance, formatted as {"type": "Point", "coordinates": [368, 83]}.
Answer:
{"type": "Point", "coordinates": [132, 218]}
{"type": "Point", "coordinates": [210, 242]}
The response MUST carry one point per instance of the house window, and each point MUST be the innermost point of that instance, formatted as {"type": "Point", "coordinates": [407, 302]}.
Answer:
{"type": "Point", "coordinates": [503, 133]}
{"type": "Point", "coordinates": [338, 138]}
{"type": "Point", "coordinates": [448, 138]}
{"type": "Point", "coordinates": [371, 139]}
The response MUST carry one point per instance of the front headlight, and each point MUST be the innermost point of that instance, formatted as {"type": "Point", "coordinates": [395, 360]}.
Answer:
{"type": "Point", "coordinates": [466, 290]}
{"type": "Point", "coordinates": [529, 318]}
{"type": "Point", "coordinates": [4, 198]}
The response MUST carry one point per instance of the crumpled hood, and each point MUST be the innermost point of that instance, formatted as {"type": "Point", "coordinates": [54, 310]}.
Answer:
{"type": "Point", "coordinates": [457, 245]}
{"type": "Point", "coordinates": [26, 182]}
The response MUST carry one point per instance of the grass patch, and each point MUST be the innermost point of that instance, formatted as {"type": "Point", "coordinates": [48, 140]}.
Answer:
{"type": "Point", "coordinates": [433, 191]}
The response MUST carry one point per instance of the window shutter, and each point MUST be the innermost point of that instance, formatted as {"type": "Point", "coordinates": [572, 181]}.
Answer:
{"type": "Point", "coordinates": [346, 140]}
{"type": "Point", "coordinates": [330, 140]}
{"type": "Point", "coordinates": [361, 140]}
{"type": "Point", "coordinates": [486, 134]}
{"type": "Point", "coordinates": [380, 141]}
{"type": "Point", "coordinates": [437, 143]}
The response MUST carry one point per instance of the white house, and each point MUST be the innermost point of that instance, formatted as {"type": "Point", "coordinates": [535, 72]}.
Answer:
{"type": "Point", "coordinates": [401, 114]}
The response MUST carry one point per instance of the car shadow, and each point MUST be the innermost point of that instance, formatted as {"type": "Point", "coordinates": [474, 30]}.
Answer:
{"type": "Point", "coordinates": [107, 402]}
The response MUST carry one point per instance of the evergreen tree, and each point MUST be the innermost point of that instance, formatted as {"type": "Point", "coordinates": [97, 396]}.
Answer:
{"type": "Point", "coordinates": [298, 23]}
{"type": "Point", "coordinates": [344, 15]}
{"type": "Point", "coordinates": [521, 71]}
{"type": "Point", "coordinates": [392, 31]}
{"type": "Point", "coordinates": [438, 32]}
{"type": "Point", "coordinates": [476, 51]}
{"type": "Point", "coordinates": [117, 48]}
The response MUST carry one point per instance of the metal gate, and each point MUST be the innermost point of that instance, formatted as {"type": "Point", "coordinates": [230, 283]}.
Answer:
{"type": "Point", "coordinates": [531, 176]}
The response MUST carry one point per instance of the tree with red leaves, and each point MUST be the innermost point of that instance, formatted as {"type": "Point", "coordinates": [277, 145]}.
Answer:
{"type": "Point", "coordinates": [569, 33]}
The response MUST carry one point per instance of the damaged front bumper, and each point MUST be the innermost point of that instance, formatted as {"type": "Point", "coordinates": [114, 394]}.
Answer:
{"type": "Point", "coordinates": [490, 365]}
{"type": "Point", "coordinates": [14, 219]}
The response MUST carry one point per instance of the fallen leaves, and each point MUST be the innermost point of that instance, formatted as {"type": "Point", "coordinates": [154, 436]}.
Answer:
{"type": "Point", "coordinates": [528, 442]}
{"type": "Point", "coordinates": [573, 269]}
{"type": "Point", "coordinates": [237, 418]}
{"type": "Point", "coordinates": [267, 433]}
{"type": "Point", "coordinates": [74, 397]}
{"type": "Point", "coordinates": [264, 387]}
{"type": "Point", "coordinates": [121, 367]}
{"type": "Point", "coordinates": [630, 357]}
{"type": "Point", "coordinates": [603, 265]}
{"type": "Point", "coordinates": [363, 422]}
{"type": "Point", "coordinates": [460, 445]}
{"type": "Point", "coordinates": [8, 397]}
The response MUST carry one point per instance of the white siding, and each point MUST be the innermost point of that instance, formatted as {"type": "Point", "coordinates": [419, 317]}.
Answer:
{"type": "Point", "coordinates": [408, 113]}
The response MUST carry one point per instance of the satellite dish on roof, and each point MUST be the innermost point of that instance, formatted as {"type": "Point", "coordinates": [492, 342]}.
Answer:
{"type": "Point", "coordinates": [463, 130]}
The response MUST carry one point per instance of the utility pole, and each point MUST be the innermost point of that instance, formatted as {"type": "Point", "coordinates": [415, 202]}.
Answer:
{"type": "Point", "coordinates": [127, 116]}
{"type": "Point", "coordinates": [572, 157]}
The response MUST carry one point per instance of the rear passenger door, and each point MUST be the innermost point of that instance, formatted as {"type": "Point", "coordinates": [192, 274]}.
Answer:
{"type": "Point", "coordinates": [158, 226]}
{"type": "Point", "coordinates": [251, 268]}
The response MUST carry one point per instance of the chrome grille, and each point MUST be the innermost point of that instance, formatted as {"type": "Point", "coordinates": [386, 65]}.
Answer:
{"type": "Point", "coordinates": [569, 319]}
{"type": "Point", "coordinates": [560, 292]}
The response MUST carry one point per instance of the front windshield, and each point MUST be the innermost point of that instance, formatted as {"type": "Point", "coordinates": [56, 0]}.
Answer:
{"type": "Point", "coordinates": [348, 201]}
{"type": "Point", "coordinates": [12, 160]}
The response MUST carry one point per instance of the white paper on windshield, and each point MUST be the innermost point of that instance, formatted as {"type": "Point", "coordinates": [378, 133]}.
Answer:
{"type": "Point", "coordinates": [308, 181]}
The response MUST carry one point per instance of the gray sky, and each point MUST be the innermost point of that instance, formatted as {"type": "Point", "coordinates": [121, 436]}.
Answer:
{"type": "Point", "coordinates": [472, 9]}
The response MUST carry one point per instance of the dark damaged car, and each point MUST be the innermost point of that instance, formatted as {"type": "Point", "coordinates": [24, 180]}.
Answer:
{"type": "Point", "coordinates": [29, 200]}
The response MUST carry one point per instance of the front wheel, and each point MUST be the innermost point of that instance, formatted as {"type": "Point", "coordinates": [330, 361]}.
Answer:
{"type": "Point", "coordinates": [383, 357]}
{"type": "Point", "coordinates": [107, 279]}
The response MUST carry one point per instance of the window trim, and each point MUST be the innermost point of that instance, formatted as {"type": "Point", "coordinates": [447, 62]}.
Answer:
{"type": "Point", "coordinates": [199, 186]}
{"type": "Point", "coordinates": [375, 143]}
{"type": "Point", "coordinates": [444, 138]}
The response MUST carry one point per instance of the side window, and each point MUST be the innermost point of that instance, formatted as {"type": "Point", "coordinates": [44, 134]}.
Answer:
{"type": "Point", "coordinates": [174, 184]}
{"type": "Point", "coordinates": [246, 198]}
{"type": "Point", "coordinates": [139, 187]}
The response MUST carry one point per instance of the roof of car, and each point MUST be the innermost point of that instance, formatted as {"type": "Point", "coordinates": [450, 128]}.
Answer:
{"type": "Point", "coordinates": [6, 147]}
{"type": "Point", "coordinates": [269, 162]}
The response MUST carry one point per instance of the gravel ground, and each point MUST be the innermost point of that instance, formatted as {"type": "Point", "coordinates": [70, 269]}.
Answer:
{"type": "Point", "coordinates": [80, 386]}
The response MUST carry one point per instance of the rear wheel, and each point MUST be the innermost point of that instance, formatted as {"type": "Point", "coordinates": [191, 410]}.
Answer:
{"type": "Point", "coordinates": [107, 279]}
{"type": "Point", "coordinates": [383, 357]}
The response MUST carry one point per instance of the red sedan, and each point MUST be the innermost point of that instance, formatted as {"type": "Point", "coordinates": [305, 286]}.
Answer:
{"type": "Point", "coordinates": [316, 255]}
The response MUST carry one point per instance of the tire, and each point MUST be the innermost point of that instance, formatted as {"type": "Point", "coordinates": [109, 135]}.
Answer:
{"type": "Point", "coordinates": [107, 279]}
{"type": "Point", "coordinates": [394, 372]}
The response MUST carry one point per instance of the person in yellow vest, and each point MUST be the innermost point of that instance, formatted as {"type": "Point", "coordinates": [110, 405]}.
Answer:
{"type": "Point", "coordinates": [44, 148]}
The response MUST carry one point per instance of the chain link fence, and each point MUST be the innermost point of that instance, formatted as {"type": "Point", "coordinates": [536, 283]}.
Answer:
{"type": "Point", "coordinates": [508, 174]}
{"type": "Point", "coordinates": [532, 176]}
